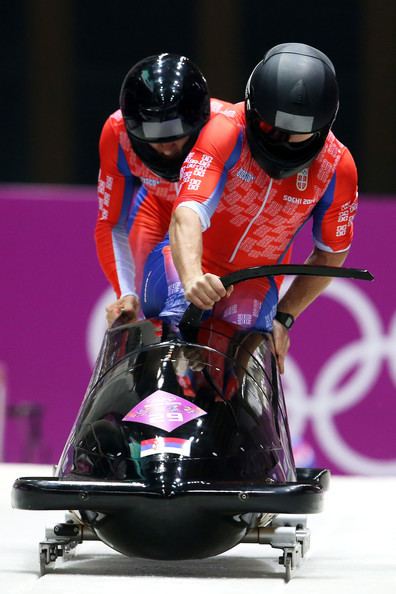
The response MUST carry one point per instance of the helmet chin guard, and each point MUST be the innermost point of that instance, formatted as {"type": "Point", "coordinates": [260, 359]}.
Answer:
{"type": "Point", "coordinates": [293, 90]}
{"type": "Point", "coordinates": [167, 168]}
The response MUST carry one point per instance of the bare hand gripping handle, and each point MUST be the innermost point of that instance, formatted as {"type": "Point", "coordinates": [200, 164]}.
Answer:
{"type": "Point", "coordinates": [192, 316]}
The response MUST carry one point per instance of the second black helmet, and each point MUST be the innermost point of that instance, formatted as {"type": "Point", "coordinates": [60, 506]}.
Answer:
{"type": "Point", "coordinates": [164, 98]}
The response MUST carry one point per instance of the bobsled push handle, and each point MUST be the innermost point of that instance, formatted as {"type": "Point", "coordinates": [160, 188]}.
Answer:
{"type": "Point", "coordinates": [192, 316]}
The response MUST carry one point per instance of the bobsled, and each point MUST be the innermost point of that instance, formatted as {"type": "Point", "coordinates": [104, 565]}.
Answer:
{"type": "Point", "coordinates": [181, 448]}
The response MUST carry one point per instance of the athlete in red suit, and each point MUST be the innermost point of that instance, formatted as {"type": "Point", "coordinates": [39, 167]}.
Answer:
{"type": "Point", "coordinates": [247, 187]}
{"type": "Point", "coordinates": [164, 104]}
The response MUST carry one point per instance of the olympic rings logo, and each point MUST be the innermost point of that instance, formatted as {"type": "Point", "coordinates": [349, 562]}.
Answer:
{"type": "Point", "coordinates": [329, 396]}
{"type": "Point", "coordinates": [360, 362]}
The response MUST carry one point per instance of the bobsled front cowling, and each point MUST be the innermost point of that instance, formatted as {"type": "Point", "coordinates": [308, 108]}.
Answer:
{"type": "Point", "coordinates": [181, 448]}
{"type": "Point", "coordinates": [172, 417]}
{"type": "Point", "coordinates": [150, 384]}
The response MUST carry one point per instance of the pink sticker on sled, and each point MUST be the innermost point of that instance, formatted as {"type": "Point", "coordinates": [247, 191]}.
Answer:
{"type": "Point", "coordinates": [164, 410]}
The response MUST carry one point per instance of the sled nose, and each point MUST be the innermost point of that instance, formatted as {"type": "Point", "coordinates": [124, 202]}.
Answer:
{"type": "Point", "coordinates": [170, 530]}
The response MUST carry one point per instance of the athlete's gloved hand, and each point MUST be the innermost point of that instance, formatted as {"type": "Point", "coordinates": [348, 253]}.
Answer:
{"type": "Point", "coordinates": [281, 343]}
{"type": "Point", "coordinates": [205, 290]}
{"type": "Point", "coordinates": [127, 305]}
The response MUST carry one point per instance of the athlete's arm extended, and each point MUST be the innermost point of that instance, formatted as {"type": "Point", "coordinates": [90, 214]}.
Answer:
{"type": "Point", "coordinates": [332, 232]}
{"type": "Point", "coordinates": [301, 293]}
{"type": "Point", "coordinates": [186, 244]}
{"type": "Point", "coordinates": [202, 180]}
{"type": "Point", "coordinates": [305, 289]}
{"type": "Point", "coordinates": [116, 188]}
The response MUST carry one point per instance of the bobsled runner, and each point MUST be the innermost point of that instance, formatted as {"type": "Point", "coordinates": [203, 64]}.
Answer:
{"type": "Point", "coordinates": [181, 448]}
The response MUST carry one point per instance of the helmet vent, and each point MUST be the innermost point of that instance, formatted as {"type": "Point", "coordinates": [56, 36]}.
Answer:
{"type": "Point", "coordinates": [298, 93]}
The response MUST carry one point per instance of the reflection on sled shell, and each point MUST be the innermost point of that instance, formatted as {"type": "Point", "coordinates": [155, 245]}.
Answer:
{"type": "Point", "coordinates": [227, 427]}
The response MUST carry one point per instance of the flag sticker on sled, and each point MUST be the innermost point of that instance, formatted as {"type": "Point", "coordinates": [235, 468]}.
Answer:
{"type": "Point", "coordinates": [165, 445]}
{"type": "Point", "coordinates": [164, 410]}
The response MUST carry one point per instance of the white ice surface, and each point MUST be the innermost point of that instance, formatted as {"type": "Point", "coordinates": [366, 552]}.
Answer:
{"type": "Point", "coordinates": [353, 550]}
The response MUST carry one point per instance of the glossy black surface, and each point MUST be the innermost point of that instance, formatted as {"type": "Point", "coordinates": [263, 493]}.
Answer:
{"type": "Point", "coordinates": [298, 497]}
{"type": "Point", "coordinates": [165, 504]}
{"type": "Point", "coordinates": [243, 436]}
{"type": "Point", "coordinates": [242, 442]}
{"type": "Point", "coordinates": [163, 98]}
{"type": "Point", "coordinates": [164, 88]}
{"type": "Point", "coordinates": [300, 81]}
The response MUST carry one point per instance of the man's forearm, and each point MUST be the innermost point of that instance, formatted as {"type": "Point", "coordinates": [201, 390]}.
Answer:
{"type": "Point", "coordinates": [203, 290]}
{"type": "Point", "coordinates": [186, 243]}
{"type": "Point", "coordinates": [305, 289]}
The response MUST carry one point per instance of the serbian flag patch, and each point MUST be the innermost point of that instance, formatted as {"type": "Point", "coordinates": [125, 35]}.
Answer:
{"type": "Point", "coordinates": [165, 445]}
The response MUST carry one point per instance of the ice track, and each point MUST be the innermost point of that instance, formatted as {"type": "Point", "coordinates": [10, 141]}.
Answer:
{"type": "Point", "coordinates": [353, 550]}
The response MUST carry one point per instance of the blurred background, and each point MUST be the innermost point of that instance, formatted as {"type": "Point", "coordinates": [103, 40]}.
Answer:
{"type": "Point", "coordinates": [62, 65]}
{"type": "Point", "coordinates": [63, 62]}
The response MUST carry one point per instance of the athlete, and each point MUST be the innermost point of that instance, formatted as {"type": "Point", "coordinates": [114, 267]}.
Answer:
{"type": "Point", "coordinates": [247, 187]}
{"type": "Point", "coordinates": [164, 104]}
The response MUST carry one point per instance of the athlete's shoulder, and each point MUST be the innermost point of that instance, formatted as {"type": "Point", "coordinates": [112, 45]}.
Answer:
{"type": "Point", "coordinates": [114, 124]}
{"type": "Point", "coordinates": [346, 164]}
{"type": "Point", "coordinates": [221, 136]}
{"type": "Point", "coordinates": [115, 147]}
{"type": "Point", "coordinates": [218, 106]}
{"type": "Point", "coordinates": [224, 126]}
{"type": "Point", "coordinates": [334, 146]}
{"type": "Point", "coordinates": [239, 116]}
{"type": "Point", "coordinates": [219, 139]}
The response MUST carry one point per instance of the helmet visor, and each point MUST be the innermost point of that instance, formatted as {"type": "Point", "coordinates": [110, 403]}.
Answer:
{"type": "Point", "coordinates": [157, 131]}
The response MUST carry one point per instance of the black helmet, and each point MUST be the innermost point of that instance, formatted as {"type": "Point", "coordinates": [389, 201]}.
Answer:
{"type": "Point", "coordinates": [293, 90]}
{"type": "Point", "coordinates": [164, 98]}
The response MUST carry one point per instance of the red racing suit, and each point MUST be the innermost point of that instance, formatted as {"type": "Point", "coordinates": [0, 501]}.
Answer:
{"type": "Point", "coordinates": [250, 219]}
{"type": "Point", "coordinates": [135, 205]}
